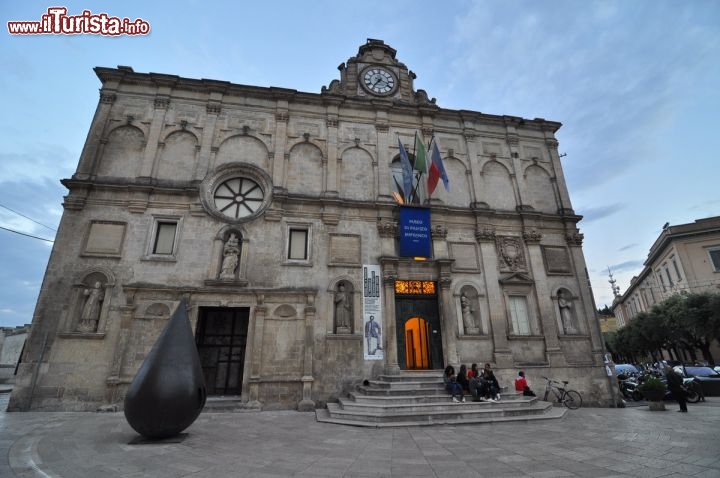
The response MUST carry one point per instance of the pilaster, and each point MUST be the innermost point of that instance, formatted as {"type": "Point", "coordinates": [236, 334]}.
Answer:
{"type": "Point", "coordinates": [307, 404]}
{"type": "Point", "coordinates": [447, 312]}
{"type": "Point", "coordinates": [389, 271]}
{"type": "Point", "coordinates": [90, 152]}
{"type": "Point", "coordinates": [256, 353]}
{"type": "Point", "coordinates": [212, 110]}
{"type": "Point", "coordinates": [161, 104]}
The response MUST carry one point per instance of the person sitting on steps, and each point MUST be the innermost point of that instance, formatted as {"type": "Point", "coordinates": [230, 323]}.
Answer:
{"type": "Point", "coordinates": [521, 385]}
{"type": "Point", "coordinates": [462, 378]}
{"type": "Point", "coordinates": [492, 388]}
{"type": "Point", "coordinates": [451, 384]}
{"type": "Point", "coordinates": [476, 383]}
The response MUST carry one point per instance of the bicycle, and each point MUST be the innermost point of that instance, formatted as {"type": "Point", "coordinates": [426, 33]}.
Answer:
{"type": "Point", "coordinates": [569, 398]}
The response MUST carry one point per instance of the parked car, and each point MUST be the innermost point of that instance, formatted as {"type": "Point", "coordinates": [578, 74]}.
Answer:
{"type": "Point", "coordinates": [626, 369]}
{"type": "Point", "coordinates": [708, 378]}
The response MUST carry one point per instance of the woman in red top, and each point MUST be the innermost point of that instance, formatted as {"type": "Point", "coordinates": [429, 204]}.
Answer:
{"type": "Point", "coordinates": [521, 385]}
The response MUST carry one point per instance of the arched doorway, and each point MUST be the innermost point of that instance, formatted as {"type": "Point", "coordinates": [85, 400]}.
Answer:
{"type": "Point", "coordinates": [417, 344]}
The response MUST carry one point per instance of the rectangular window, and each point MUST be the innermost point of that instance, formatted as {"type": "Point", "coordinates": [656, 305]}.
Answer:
{"type": "Point", "coordinates": [519, 315]}
{"type": "Point", "coordinates": [677, 270]}
{"type": "Point", "coordinates": [667, 273]}
{"type": "Point", "coordinates": [164, 237]}
{"type": "Point", "coordinates": [662, 281]}
{"type": "Point", "coordinates": [715, 258]}
{"type": "Point", "coordinates": [298, 245]}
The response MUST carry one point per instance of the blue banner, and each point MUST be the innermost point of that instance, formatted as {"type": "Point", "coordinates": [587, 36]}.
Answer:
{"type": "Point", "coordinates": [415, 232]}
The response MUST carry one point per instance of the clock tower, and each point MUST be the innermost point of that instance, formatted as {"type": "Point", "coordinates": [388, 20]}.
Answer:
{"type": "Point", "coordinates": [375, 73]}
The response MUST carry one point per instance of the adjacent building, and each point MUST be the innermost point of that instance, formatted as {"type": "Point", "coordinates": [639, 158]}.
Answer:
{"type": "Point", "coordinates": [274, 214]}
{"type": "Point", "coordinates": [684, 258]}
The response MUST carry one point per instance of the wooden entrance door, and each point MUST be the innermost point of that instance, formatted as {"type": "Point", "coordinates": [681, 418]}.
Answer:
{"type": "Point", "coordinates": [419, 340]}
{"type": "Point", "coordinates": [221, 339]}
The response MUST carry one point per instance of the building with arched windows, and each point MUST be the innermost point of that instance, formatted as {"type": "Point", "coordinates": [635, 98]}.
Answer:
{"type": "Point", "coordinates": [274, 214]}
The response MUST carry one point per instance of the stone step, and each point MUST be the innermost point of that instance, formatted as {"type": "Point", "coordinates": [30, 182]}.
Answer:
{"type": "Point", "coordinates": [456, 414]}
{"type": "Point", "coordinates": [438, 396]}
{"type": "Point", "coordinates": [430, 406]}
{"type": "Point", "coordinates": [414, 376]}
{"type": "Point", "coordinates": [228, 404]}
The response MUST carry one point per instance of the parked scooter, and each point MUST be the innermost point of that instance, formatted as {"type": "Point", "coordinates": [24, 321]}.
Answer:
{"type": "Point", "coordinates": [628, 387]}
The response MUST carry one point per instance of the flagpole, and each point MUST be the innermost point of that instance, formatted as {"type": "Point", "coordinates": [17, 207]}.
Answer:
{"type": "Point", "coordinates": [417, 184]}
{"type": "Point", "coordinates": [414, 189]}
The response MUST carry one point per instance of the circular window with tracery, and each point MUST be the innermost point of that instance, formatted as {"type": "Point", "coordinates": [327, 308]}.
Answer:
{"type": "Point", "coordinates": [238, 197]}
{"type": "Point", "coordinates": [237, 192]}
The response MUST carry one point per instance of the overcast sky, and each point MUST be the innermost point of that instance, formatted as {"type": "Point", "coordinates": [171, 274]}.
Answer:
{"type": "Point", "coordinates": [635, 83]}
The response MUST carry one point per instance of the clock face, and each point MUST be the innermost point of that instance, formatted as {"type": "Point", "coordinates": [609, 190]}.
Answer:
{"type": "Point", "coordinates": [379, 80]}
{"type": "Point", "coordinates": [238, 197]}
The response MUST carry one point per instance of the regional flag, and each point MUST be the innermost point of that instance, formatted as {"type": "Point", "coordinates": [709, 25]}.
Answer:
{"type": "Point", "coordinates": [406, 170]}
{"type": "Point", "coordinates": [437, 170]}
{"type": "Point", "coordinates": [420, 162]}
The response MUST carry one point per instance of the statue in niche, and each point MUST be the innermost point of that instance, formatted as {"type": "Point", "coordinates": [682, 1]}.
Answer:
{"type": "Point", "coordinates": [90, 314]}
{"type": "Point", "coordinates": [468, 316]}
{"type": "Point", "coordinates": [231, 257]}
{"type": "Point", "coordinates": [343, 309]}
{"type": "Point", "coordinates": [567, 315]}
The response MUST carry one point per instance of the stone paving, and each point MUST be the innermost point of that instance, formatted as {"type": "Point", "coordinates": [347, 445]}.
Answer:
{"type": "Point", "coordinates": [590, 442]}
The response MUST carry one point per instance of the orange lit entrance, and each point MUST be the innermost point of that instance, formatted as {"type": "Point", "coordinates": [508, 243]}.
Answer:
{"type": "Point", "coordinates": [417, 345]}
{"type": "Point", "coordinates": [417, 326]}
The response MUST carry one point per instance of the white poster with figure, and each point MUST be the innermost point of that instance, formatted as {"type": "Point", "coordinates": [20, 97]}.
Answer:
{"type": "Point", "coordinates": [372, 313]}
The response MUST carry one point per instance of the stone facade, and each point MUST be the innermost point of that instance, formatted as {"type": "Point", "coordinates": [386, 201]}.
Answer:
{"type": "Point", "coordinates": [684, 258]}
{"type": "Point", "coordinates": [256, 205]}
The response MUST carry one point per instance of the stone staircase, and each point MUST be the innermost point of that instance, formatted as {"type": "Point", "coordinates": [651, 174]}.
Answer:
{"type": "Point", "coordinates": [419, 398]}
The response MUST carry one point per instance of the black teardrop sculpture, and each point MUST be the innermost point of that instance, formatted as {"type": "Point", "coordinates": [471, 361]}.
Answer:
{"type": "Point", "coordinates": [168, 392]}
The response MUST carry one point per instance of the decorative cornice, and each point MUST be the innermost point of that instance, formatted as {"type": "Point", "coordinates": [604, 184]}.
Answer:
{"type": "Point", "coordinates": [552, 143]}
{"type": "Point", "coordinates": [382, 128]}
{"type": "Point", "coordinates": [513, 139]}
{"type": "Point", "coordinates": [387, 228]}
{"type": "Point", "coordinates": [439, 231]}
{"type": "Point", "coordinates": [574, 238]}
{"type": "Point", "coordinates": [532, 236]}
{"type": "Point", "coordinates": [74, 203]}
{"type": "Point", "coordinates": [485, 233]}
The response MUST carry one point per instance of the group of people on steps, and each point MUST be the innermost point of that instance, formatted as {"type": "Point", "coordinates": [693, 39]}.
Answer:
{"type": "Point", "coordinates": [481, 384]}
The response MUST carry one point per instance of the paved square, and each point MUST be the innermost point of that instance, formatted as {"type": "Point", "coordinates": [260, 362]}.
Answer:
{"type": "Point", "coordinates": [590, 442]}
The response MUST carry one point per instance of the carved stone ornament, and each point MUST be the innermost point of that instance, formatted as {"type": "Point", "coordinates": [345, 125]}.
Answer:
{"type": "Point", "coordinates": [532, 236]}
{"type": "Point", "coordinates": [162, 102]}
{"type": "Point", "coordinates": [389, 277]}
{"type": "Point", "coordinates": [485, 233]}
{"type": "Point", "coordinates": [439, 231]}
{"type": "Point", "coordinates": [387, 228]}
{"type": "Point", "coordinates": [213, 108]}
{"type": "Point", "coordinates": [511, 253]}
{"type": "Point", "coordinates": [107, 98]}
{"type": "Point", "coordinates": [574, 239]}
{"type": "Point", "coordinates": [445, 281]}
